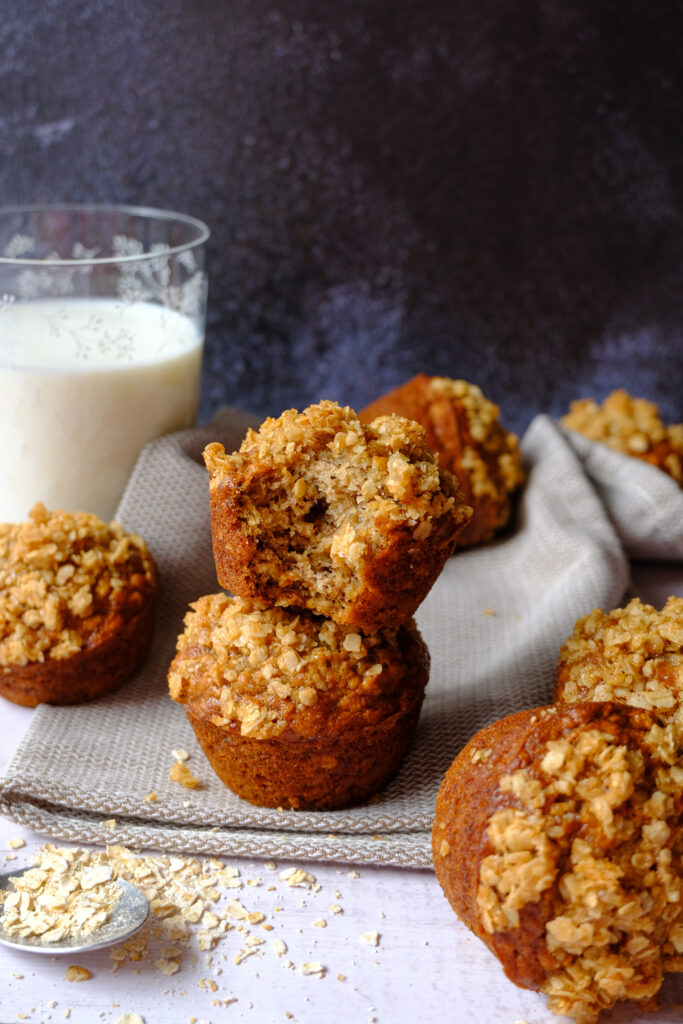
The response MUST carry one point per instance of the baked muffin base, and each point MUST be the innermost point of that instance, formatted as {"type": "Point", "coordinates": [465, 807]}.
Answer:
{"type": "Point", "coordinates": [91, 672]}
{"type": "Point", "coordinates": [308, 773]}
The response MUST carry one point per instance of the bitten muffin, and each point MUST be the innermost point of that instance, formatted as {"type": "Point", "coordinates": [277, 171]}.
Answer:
{"type": "Point", "coordinates": [633, 655]}
{"type": "Point", "coordinates": [77, 599]}
{"type": "Point", "coordinates": [317, 511]}
{"type": "Point", "coordinates": [293, 710]}
{"type": "Point", "coordinates": [557, 840]}
{"type": "Point", "coordinates": [631, 426]}
{"type": "Point", "coordinates": [463, 428]}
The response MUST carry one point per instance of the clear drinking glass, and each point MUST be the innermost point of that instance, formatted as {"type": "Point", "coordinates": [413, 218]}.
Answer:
{"type": "Point", "coordinates": [102, 314]}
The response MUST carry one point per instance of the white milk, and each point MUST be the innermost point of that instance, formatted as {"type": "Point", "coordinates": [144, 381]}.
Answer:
{"type": "Point", "coordinates": [84, 384]}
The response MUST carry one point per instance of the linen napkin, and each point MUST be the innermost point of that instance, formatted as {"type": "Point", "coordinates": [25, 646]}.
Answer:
{"type": "Point", "coordinates": [494, 622]}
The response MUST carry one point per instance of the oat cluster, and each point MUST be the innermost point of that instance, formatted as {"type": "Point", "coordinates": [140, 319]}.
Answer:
{"type": "Point", "coordinates": [326, 477]}
{"type": "Point", "coordinates": [493, 463]}
{"type": "Point", "coordinates": [630, 425]}
{"type": "Point", "coordinates": [593, 831]}
{"type": "Point", "coordinates": [266, 666]}
{"type": "Point", "coordinates": [69, 893]}
{"type": "Point", "coordinates": [61, 573]}
{"type": "Point", "coordinates": [632, 655]}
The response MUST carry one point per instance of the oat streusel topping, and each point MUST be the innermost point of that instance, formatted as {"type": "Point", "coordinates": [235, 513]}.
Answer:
{"type": "Point", "coordinates": [265, 667]}
{"type": "Point", "coordinates": [595, 827]}
{"type": "Point", "coordinates": [633, 655]}
{"type": "Point", "coordinates": [630, 425]}
{"type": "Point", "coordinates": [501, 468]}
{"type": "Point", "coordinates": [60, 573]}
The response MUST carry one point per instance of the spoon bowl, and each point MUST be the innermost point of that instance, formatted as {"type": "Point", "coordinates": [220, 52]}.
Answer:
{"type": "Point", "coordinates": [128, 916]}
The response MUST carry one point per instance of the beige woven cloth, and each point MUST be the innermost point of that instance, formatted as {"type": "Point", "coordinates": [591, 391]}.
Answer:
{"type": "Point", "coordinates": [493, 622]}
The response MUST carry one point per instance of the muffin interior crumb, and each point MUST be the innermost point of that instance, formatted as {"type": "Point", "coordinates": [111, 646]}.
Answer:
{"type": "Point", "coordinates": [593, 828]}
{"type": "Point", "coordinates": [324, 490]}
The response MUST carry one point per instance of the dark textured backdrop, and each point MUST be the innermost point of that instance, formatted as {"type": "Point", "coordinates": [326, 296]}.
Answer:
{"type": "Point", "coordinates": [488, 190]}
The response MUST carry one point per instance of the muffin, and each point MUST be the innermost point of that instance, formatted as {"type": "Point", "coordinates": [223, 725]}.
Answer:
{"type": "Point", "coordinates": [631, 426]}
{"type": "Point", "coordinates": [77, 599]}
{"type": "Point", "coordinates": [632, 655]}
{"type": "Point", "coordinates": [557, 840]}
{"type": "Point", "coordinates": [464, 430]}
{"type": "Point", "coordinates": [293, 710]}
{"type": "Point", "coordinates": [318, 511]}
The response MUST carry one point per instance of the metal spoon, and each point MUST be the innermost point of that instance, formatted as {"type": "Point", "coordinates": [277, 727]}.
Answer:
{"type": "Point", "coordinates": [128, 916]}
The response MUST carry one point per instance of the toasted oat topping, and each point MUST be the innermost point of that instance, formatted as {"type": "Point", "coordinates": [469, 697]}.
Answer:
{"type": "Point", "coordinates": [629, 425]}
{"type": "Point", "coordinates": [632, 655]}
{"type": "Point", "coordinates": [326, 477]}
{"type": "Point", "coordinates": [60, 573]}
{"type": "Point", "coordinates": [266, 666]}
{"type": "Point", "coordinates": [496, 461]}
{"type": "Point", "coordinates": [595, 828]}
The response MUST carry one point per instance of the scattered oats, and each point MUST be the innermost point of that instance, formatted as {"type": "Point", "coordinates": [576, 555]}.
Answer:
{"type": "Point", "coordinates": [16, 844]}
{"type": "Point", "coordinates": [314, 968]}
{"type": "Point", "coordinates": [186, 803]}
{"type": "Point", "coordinates": [332, 836]}
{"type": "Point", "coordinates": [369, 938]}
{"type": "Point", "coordinates": [337, 895]}
{"type": "Point", "coordinates": [444, 848]}
{"type": "Point", "coordinates": [17, 975]}
{"type": "Point", "coordinates": [180, 755]}
{"type": "Point", "coordinates": [321, 923]}
{"type": "Point", "coordinates": [244, 953]}
{"type": "Point", "coordinates": [298, 877]}
{"type": "Point", "coordinates": [181, 773]}
{"type": "Point", "coordinates": [336, 909]}
{"type": "Point", "coordinates": [109, 823]}
{"type": "Point", "coordinates": [67, 1012]}
{"type": "Point", "coordinates": [10, 856]}
{"type": "Point", "coordinates": [256, 917]}
{"type": "Point", "coordinates": [267, 927]}
{"type": "Point", "coordinates": [167, 966]}
{"type": "Point", "coordinates": [341, 977]}
{"type": "Point", "coordinates": [76, 973]}
{"type": "Point", "coordinates": [130, 1018]}
{"type": "Point", "coordinates": [151, 798]}
{"type": "Point", "coordinates": [253, 881]}
{"type": "Point", "coordinates": [353, 874]}
{"type": "Point", "coordinates": [271, 865]}
{"type": "Point", "coordinates": [288, 1015]}
{"type": "Point", "coordinates": [489, 611]}
{"type": "Point", "coordinates": [280, 946]}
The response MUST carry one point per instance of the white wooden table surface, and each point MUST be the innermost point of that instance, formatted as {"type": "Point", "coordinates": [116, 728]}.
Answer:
{"type": "Point", "coordinates": [426, 966]}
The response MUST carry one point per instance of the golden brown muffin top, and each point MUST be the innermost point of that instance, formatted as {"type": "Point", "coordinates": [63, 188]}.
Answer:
{"type": "Point", "coordinates": [632, 426]}
{"type": "Point", "coordinates": [387, 462]}
{"type": "Point", "coordinates": [500, 446]}
{"type": "Point", "coordinates": [571, 818]}
{"type": "Point", "coordinates": [633, 655]}
{"type": "Point", "coordinates": [60, 574]}
{"type": "Point", "coordinates": [264, 667]}
{"type": "Point", "coordinates": [615, 914]}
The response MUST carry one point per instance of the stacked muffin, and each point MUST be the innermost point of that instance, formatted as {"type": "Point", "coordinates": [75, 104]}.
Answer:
{"type": "Point", "coordinates": [304, 688]}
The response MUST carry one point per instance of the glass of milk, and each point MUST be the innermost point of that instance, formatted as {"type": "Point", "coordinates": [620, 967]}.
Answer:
{"type": "Point", "coordinates": [102, 313]}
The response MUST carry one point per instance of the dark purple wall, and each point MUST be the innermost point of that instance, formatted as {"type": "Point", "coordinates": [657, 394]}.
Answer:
{"type": "Point", "coordinates": [488, 190]}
